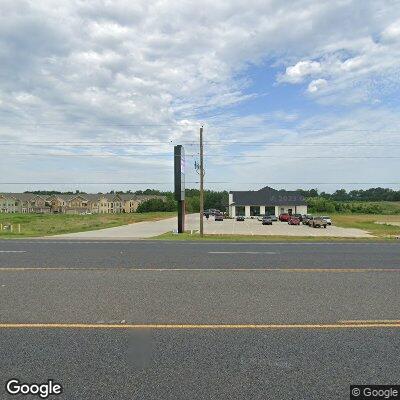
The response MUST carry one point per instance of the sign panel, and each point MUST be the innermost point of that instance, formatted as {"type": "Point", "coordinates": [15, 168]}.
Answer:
{"type": "Point", "coordinates": [179, 167]}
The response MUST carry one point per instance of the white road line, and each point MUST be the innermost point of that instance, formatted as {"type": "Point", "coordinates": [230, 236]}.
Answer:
{"type": "Point", "coordinates": [241, 252]}
{"type": "Point", "coordinates": [12, 251]}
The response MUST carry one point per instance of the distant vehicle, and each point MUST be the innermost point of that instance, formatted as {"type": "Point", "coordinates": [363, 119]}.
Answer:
{"type": "Point", "coordinates": [260, 217]}
{"type": "Point", "coordinates": [267, 221]}
{"type": "Point", "coordinates": [317, 222]}
{"type": "Point", "coordinates": [211, 211]}
{"type": "Point", "coordinates": [306, 219]}
{"type": "Point", "coordinates": [328, 220]}
{"type": "Point", "coordinates": [299, 216]}
{"type": "Point", "coordinates": [240, 218]}
{"type": "Point", "coordinates": [284, 217]}
{"type": "Point", "coordinates": [273, 217]}
{"type": "Point", "coordinates": [294, 220]}
{"type": "Point", "coordinates": [219, 217]}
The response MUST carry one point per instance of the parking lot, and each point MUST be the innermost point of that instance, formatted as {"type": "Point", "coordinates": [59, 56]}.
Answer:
{"type": "Point", "coordinates": [254, 227]}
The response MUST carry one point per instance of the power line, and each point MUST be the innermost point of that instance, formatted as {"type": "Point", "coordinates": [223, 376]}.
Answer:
{"type": "Point", "coordinates": [196, 155]}
{"type": "Point", "coordinates": [85, 124]}
{"type": "Point", "coordinates": [199, 124]}
{"type": "Point", "coordinates": [172, 142]}
{"type": "Point", "coordinates": [294, 129]}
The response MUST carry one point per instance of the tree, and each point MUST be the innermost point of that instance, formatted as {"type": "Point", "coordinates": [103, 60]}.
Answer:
{"type": "Point", "coordinates": [152, 205]}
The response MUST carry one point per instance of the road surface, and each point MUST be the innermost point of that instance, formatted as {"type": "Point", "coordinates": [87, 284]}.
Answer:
{"type": "Point", "coordinates": [183, 320]}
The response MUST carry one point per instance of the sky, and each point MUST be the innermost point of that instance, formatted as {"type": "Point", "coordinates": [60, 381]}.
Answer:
{"type": "Point", "coordinates": [294, 94]}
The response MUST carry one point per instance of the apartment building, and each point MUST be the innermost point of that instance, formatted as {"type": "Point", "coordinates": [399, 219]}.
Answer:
{"type": "Point", "coordinates": [80, 203]}
{"type": "Point", "coordinates": [23, 202]}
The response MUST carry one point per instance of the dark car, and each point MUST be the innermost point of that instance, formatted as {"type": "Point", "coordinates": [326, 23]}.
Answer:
{"type": "Point", "coordinates": [219, 217]}
{"type": "Point", "coordinates": [306, 218]}
{"type": "Point", "coordinates": [272, 217]}
{"type": "Point", "coordinates": [284, 217]}
{"type": "Point", "coordinates": [267, 221]}
{"type": "Point", "coordinates": [294, 220]}
{"type": "Point", "coordinates": [240, 218]}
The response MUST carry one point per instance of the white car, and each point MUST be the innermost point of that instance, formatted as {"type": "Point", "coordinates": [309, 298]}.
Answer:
{"type": "Point", "coordinates": [328, 220]}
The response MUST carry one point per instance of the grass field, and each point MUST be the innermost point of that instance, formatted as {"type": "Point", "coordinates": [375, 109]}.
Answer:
{"type": "Point", "coordinates": [37, 225]}
{"type": "Point", "coordinates": [368, 222]}
{"type": "Point", "coordinates": [52, 224]}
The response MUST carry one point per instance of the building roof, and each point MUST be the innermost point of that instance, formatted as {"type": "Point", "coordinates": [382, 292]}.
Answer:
{"type": "Point", "coordinates": [22, 196]}
{"type": "Point", "coordinates": [267, 196]}
{"type": "Point", "coordinates": [86, 196]}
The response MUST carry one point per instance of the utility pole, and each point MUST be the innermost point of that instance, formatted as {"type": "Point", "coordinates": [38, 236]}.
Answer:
{"type": "Point", "coordinates": [201, 183]}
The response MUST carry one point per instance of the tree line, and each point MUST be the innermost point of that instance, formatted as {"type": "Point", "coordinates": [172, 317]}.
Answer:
{"type": "Point", "coordinates": [356, 201]}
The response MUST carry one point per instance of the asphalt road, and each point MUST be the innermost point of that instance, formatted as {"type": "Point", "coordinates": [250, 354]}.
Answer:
{"type": "Point", "coordinates": [180, 320]}
{"type": "Point", "coordinates": [163, 254]}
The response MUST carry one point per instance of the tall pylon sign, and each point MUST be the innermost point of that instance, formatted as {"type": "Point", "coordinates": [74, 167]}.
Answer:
{"type": "Point", "coordinates": [179, 168]}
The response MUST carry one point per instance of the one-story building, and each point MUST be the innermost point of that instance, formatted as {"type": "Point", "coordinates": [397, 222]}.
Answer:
{"type": "Point", "coordinates": [266, 201]}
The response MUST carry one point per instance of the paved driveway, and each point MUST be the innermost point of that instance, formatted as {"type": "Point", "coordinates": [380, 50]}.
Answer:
{"type": "Point", "coordinates": [254, 227]}
{"type": "Point", "coordinates": [138, 230]}
{"type": "Point", "coordinates": [143, 230]}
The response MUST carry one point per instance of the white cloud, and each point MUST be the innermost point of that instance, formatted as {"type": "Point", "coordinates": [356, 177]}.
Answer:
{"type": "Point", "coordinates": [90, 67]}
{"type": "Point", "coordinates": [297, 73]}
{"type": "Point", "coordinates": [316, 85]}
{"type": "Point", "coordinates": [392, 32]}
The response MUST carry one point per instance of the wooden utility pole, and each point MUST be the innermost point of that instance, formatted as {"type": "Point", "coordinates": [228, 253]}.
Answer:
{"type": "Point", "coordinates": [201, 183]}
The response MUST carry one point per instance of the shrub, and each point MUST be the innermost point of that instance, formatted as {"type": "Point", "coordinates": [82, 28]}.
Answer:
{"type": "Point", "coordinates": [157, 205]}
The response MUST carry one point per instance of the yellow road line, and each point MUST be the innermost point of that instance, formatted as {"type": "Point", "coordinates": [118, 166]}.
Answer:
{"type": "Point", "coordinates": [197, 326]}
{"type": "Point", "coordinates": [371, 321]}
{"type": "Point", "coordinates": [301, 270]}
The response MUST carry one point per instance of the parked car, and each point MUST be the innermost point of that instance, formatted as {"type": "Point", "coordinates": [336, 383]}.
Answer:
{"type": "Point", "coordinates": [219, 217]}
{"type": "Point", "coordinates": [294, 220]}
{"type": "Point", "coordinates": [284, 217]}
{"type": "Point", "coordinates": [273, 217]}
{"type": "Point", "coordinates": [240, 218]}
{"type": "Point", "coordinates": [306, 218]}
{"type": "Point", "coordinates": [260, 217]}
{"type": "Point", "coordinates": [317, 222]}
{"type": "Point", "coordinates": [266, 221]}
{"type": "Point", "coordinates": [328, 220]}
{"type": "Point", "coordinates": [299, 216]}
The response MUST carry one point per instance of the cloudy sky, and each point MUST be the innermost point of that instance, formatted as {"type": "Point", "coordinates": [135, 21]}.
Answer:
{"type": "Point", "coordinates": [294, 94]}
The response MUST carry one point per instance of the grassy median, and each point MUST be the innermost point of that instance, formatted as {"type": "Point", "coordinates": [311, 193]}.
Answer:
{"type": "Point", "coordinates": [53, 224]}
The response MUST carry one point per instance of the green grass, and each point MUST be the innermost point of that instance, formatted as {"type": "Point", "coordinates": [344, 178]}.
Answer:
{"type": "Point", "coordinates": [53, 224]}
{"type": "Point", "coordinates": [367, 222]}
